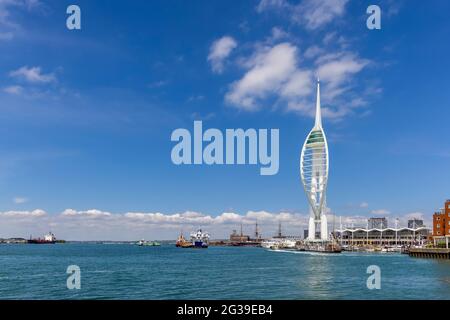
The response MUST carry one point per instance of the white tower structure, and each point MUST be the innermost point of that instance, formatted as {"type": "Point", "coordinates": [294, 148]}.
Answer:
{"type": "Point", "coordinates": [314, 175]}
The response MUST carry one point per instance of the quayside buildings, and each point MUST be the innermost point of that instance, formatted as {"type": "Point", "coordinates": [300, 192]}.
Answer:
{"type": "Point", "coordinates": [377, 233]}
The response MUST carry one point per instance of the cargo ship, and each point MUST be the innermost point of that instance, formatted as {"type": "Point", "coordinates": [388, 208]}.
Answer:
{"type": "Point", "coordinates": [49, 238]}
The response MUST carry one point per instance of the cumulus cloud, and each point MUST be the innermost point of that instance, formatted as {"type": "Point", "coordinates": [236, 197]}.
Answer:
{"type": "Point", "coordinates": [102, 225]}
{"type": "Point", "coordinates": [277, 72]}
{"type": "Point", "coordinates": [88, 213]}
{"type": "Point", "coordinates": [337, 69]}
{"type": "Point", "coordinates": [311, 14]}
{"type": "Point", "coordinates": [219, 51]}
{"type": "Point", "coordinates": [270, 70]}
{"type": "Point", "coordinates": [32, 75]}
{"type": "Point", "coordinates": [23, 214]}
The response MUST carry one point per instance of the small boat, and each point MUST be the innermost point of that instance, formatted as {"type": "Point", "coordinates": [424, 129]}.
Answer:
{"type": "Point", "coordinates": [148, 243]}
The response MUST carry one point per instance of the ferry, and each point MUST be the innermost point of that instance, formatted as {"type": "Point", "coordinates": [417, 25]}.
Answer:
{"type": "Point", "coordinates": [200, 239]}
{"type": "Point", "coordinates": [49, 238]}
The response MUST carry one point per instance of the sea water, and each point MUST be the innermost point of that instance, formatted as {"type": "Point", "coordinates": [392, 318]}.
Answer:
{"type": "Point", "coordinates": [126, 271]}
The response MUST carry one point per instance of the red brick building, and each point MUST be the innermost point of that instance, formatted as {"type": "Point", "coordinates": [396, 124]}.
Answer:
{"type": "Point", "coordinates": [441, 221]}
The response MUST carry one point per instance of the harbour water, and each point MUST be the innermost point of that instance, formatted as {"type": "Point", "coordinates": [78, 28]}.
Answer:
{"type": "Point", "coordinates": [124, 271]}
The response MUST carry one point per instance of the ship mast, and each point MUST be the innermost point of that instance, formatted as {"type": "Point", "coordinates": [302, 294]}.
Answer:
{"type": "Point", "coordinates": [279, 229]}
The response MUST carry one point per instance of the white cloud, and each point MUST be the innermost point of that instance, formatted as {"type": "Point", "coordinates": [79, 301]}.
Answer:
{"type": "Point", "coordinates": [16, 90]}
{"type": "Point", "coordinates": [219, 51]}
{"type": "Point", "coordinates": [20, 200]}
{"type": "Point", "coordinates": [311, 14]}
{"type": "Point", "coordinates": [272, 4]}
{"type": "Point", "coordinates": [24, 214]}
{"type": "Point", "coordinates": [381, 212]}
{"type": "Point", "coordinates": [270, 69]}
{"type": "Point", "coordinates": [274, 73]}
{"type": "Point", "coordinates": [314, 14]}
{"type": "Point", "coordinates": [338, 69]}
{"type": "Point", "coordinates": [88, 213]}
{"type": "Point", "coordinates": [102, 225]}
{"type": "Point", "coordinates": [32, 75]}
{"type": "Point", "coordinates": [298, 85]}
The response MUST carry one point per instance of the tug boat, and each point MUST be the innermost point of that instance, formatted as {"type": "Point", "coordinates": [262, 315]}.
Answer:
{"type": "Point", "coordinates": [181, 241]}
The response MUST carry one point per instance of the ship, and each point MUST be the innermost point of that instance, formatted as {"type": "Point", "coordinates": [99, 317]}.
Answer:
{"type": "Point", "coordinates": [200, 239]}
{"type": "Point", "coordinates": [279, 243]}
{"type": "Point", "coordinates": [49, 238]}
{"type": "Point", "coordinates": [144, 243]}
{"type": "Point", "coordinates": [181, 241]}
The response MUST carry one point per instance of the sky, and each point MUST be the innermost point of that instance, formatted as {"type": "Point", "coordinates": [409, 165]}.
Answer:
{"type": "Point", "coordinates": [87, 115]}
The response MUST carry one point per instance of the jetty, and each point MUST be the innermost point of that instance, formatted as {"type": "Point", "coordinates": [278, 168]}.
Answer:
{"type": "Point", "coordinates": [433, 253]}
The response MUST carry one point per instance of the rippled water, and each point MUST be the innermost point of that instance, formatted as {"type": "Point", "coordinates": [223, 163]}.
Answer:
{"type": "Point", "coordinates": [123, 271]}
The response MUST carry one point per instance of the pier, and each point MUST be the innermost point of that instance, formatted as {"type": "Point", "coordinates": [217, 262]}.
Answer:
{"type": "Point", "coordinates": [434, 253]}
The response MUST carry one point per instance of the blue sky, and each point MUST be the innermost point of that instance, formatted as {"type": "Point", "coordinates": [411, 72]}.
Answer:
{"type": "Point", "coordinates": [86, 115]}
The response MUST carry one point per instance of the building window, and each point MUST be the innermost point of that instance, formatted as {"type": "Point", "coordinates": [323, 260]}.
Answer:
{"type": "Point", "coordinates": [438, 225]}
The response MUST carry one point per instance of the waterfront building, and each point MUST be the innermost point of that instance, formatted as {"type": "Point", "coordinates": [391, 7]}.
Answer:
{"type": "Point", "coordinates": [383, 237]}
{"type": "Point", "coordinates": [441, 224]}
{"type": "Point", "coordinates": [415, 223]}
{"type": "Point", "coordinates": [377, 223]}
{"type": "Point", "coordinates": [314, 175]}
